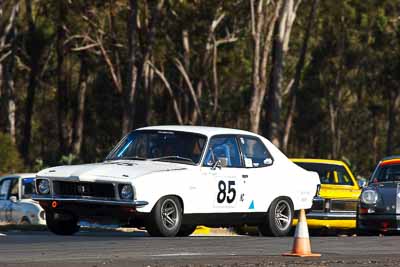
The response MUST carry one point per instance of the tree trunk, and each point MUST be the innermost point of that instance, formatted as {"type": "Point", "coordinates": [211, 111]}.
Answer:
{"type": "Point", "coordinates": [186, 62]}
{"type": "Point", "coordinates": [333, 123]}
{"type": "Point", "coordinates": [62, 90]}
{"type": "Point", "coordinates": [77, 135]}
{"type": "Point", "coordinates": [280, 48]}
{"type": "Point", "coordinates": [132, 77]}
{"type": "Point", "coordinates": [136, 65]}
{"type": "Point", "coordinates": [296, 81]}
{"type": "Point", "coordinates": [263, 23]}
{"type": "Point", "coordinates": [215, 83]}
{"type": "Point", "coordinates": [148, 77]}
{"type": "Point", "coordinates": [34, 58]}
{"type": "Point", "coordinates": [9, 38]}
{"type": "Point", "coordinates": [335, 94]}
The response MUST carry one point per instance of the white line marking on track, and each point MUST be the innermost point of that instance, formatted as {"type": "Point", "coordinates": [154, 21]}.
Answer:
{"type": "Point", "coordinates": [178, 254]}
{"type": "Point", "coordinates": [2, 234]}
{"type": "Point", "coordinates": [187, 254]}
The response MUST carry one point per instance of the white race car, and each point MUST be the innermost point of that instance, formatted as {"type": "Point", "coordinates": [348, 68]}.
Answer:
{"type": "Point", "coordinates": [170, 179]}
{"type": "Point", "coordinates": [16, 204]}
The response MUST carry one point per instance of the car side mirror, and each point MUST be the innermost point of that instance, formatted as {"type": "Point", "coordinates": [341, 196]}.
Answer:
{"type": "Point", "coordinates": [217, 164]}
{"type": "Point", "coordinates": [362, 183]}
{"type": "Point", "coordinates": [13, 199]}
{"type": "Point", "coordinates": [268, 161]}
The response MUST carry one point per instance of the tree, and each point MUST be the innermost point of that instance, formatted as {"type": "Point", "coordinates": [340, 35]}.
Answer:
{"type": "Point", "coordinates": [264, 15]}
{"type": "Point", "coordinates": [284, 25]}
{"type": "Point", "coordinates": [62, 86]}
{"type": "Point", "coordinates": [295, 82]}
{"type": "Point", "coordinates": [8, 35]}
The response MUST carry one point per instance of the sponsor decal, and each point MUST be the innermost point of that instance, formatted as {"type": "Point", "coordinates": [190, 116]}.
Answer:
{"type": "Point", "coordinates": [251, 207]}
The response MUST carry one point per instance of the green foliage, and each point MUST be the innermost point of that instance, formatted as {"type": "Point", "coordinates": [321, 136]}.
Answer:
{"type": "Point", "coordinates": [39, 165]}
{"type": "Point", "coordinates": [352, 65]}
{"type": "Point", "coordinates": [10, 161]}
{"type": "Point", "coordinates": [69, 159]}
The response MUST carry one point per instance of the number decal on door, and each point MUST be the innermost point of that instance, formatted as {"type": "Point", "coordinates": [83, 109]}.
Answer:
{"type": "Point", "coordinates": [225, 193]}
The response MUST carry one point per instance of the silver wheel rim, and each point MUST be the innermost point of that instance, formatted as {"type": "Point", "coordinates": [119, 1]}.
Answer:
{"type": "Point", "coordinates": [169, 214]}
{"type": "Point", "coordinates": [283, 215]}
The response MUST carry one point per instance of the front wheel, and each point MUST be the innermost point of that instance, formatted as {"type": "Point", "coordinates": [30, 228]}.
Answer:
{"type": "Point", "coordinates": [279, 218]}
{"type": "Point", "coordinates": [61, 223]}
{"type": "Point", "coordinates": [166, 217]}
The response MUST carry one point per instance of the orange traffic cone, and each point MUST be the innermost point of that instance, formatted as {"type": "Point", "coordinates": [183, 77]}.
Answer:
{"type": "Point", "coordinates": [301, 244]}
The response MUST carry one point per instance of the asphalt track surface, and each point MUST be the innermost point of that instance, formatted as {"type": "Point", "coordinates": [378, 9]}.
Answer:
{"type": "Point", "coordinates": [136, 249]}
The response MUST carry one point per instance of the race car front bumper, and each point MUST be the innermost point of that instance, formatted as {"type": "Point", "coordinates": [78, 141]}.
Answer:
{"type": "Point", "coordinates": [378, 222]}
{"type": "Point", "coordinates": [91, 209]}
{"type": "Point", "coordinates": [330, 220]}
{"type": "Point", "coordinates": [135, 203]}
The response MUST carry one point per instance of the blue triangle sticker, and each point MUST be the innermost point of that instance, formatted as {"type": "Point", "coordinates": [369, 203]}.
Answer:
{"type": "Point", "coordinates": [251, 205]}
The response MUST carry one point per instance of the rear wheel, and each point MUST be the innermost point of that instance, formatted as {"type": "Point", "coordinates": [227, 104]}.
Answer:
{"type": "Point", "coordinates": [166, 217]}
{"type": "Point", "coordinates": [25, 221]}
{"type": "Point", "coordinates": [279, 218]}
{"type": "Point", "coordinates": [186, 230]}
{"type": "Point", "coordinates": [61, 223]}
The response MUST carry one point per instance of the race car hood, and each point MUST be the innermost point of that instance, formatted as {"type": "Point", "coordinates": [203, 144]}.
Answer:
{"type": "Point", "coordinates": [121, 169]}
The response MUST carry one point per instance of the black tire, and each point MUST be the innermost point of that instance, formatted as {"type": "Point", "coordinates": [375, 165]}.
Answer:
{"type": "Point", "coordinates": [61, 223]}
{"type": "Point", "coordinates": [275, 224]}
{"type": "Point", "coordinates": [25, 221]}
{"type": "Point", "coordinates": [363, 232]}
{"type": "Point", "coordinates": [186, 230]}
{"type": "Point", "coordinates": [163, 224]}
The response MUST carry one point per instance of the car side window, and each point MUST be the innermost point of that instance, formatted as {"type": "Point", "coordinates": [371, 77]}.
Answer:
{"type": "Point", "coordinates": [254, 152]}
{"type": "Point", "coordinates": [28, 187]}
{"type": "Point", "coordinates": [4, 188]}
{"type": "Point", "coordinates": [224, 149]}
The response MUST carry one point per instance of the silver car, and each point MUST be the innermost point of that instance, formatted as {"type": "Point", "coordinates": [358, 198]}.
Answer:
{"type": "Point", "coordinates": [16, 204]}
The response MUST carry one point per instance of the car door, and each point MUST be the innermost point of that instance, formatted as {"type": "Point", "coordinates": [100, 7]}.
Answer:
{"type": "Point", "coordinates": [222, 167]}
{"type": "Point", "coordinates": [15, 208]}
{"type": "Point", "coordinates": [259, 174]}
{"type": "Point", "coordinates": [5, 203]}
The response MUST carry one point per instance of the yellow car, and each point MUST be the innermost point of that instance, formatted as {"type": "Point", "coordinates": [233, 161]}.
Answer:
{"type": "Point", "coordinates": [336, 204]}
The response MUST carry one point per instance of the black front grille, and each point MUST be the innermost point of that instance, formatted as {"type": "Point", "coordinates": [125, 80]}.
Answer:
{"type": "Point", "coordinates": [343, 205]}
{"type": "Point", "coordinates": [70, 189]}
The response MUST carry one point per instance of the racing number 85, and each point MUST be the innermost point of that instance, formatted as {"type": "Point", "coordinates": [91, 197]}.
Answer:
{"type": "Point", "coordinates": [224, 194]}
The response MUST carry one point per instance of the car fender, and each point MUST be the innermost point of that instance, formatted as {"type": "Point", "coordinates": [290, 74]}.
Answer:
{"type": "Point", "coordinates": [28, 209]}
{"type": "Point", "coordinates": [177, 184]}
{"type": "Point", "coordinates": [291, 181]}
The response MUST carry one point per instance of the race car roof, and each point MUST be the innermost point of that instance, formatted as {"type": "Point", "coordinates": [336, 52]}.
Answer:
{"type": "Point", "coordinates": [320, 161]}
{"type": "Point", "coordinates": [204, 130]}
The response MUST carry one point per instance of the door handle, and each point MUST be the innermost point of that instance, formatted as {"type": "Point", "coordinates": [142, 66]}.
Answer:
{"type": "Point", "coordinates": [245, 176]}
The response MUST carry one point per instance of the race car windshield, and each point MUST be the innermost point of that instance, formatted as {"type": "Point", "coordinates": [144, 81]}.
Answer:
{"type": "Point", "coordinates": [155, 145]}
{"type": "Point", "coordinates": [389, 173]}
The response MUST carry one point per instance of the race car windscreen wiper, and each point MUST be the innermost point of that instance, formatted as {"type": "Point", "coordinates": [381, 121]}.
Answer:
{"type": "Point", "coordinates": [175, 158]}
{"type": "Point", "coordinates": [128, 158]}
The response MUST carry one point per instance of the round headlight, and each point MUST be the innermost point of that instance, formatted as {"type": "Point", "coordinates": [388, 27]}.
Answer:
{"type": "Point", "coordinates": [369, 197]}
{"type": "Point", "coordinates": [126, 192]}
{"type": "Point", "coordinates": [44, 187]}
{"type": "Point", "coordinates": [42, 215]}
